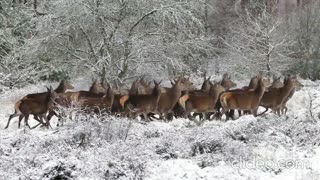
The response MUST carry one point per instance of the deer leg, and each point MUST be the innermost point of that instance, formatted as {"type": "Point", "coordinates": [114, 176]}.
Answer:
{"type": "Point", "coordinates": [20, 119]}
{"type": "Point", "coordinates": [26, 118]}
{"type": "Point", "coordinates": [11, 116]}
{"type": "Point", "coordinates": [170, 116]}
{"type": "Point", "coordinates": [231, 113]}
{"type": "Point", "coordinates": [36, 117]}
{"type": "Point", "coordinates": [285, 109]}
{"type": "Point", "coordinates": [47, 122]}
{"type": "Point", "coordinates": [254, 112]}
{"type": "Point", "coordinates": [205, 116]}
{"type": "Point", "coordinates": [145, 116]}
{"type": "Point", "coordinates": [51, 114]}
{"type": "Point", "coordinates": [224, 111]}
{"type": "Point", "coordinates": [40, 121]}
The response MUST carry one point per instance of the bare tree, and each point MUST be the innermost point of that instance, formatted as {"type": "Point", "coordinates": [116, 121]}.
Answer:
{"type": "Point", "coordinates": [305, 26]}
{"type": "Point", "coordinates": [122, 39]}
{"type": "Point", "coordinates": [257, 40]}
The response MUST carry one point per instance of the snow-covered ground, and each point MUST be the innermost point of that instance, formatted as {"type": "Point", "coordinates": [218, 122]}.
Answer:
{"type": "Point", "coordinates": [267, 147]}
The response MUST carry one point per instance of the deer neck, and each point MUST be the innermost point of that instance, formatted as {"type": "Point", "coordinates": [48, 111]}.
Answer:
{"type": "Point", "coordinates": [260, 90]}
{"type": "Point", "coordinates": [287, 89]}
{"type": "Point", "coordinates": [175, 92]}
{"type": "Point", "coordinates": [60, 89]}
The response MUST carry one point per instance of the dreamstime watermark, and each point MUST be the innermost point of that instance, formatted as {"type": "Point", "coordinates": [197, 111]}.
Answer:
{"type": "Point", "coordinates": [271, 163]}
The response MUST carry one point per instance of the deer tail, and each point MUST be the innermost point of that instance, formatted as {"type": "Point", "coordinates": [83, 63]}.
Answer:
{"type": "Point", "coordinates": [182, 100]}
{"type": "Point", "coordinates": [17, 107]}
{"type": "Point", "coordinates": [223, 100]}
{"type": "Point", "coordinates": [123, 100]}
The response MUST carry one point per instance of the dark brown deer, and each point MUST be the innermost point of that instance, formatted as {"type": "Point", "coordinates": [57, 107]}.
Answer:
{"type": "Point", "coordinates": [246, 100]}
{"type": "Point", "coordinates": [201, 103]}
{"type": "Point", "coordinates": [41, 97]}
{"type": "Point", "coordinates": [275, 97]}
{"type": "Point", "coordinates": [35, 106]}
{"type": "Point", "coordinates": [143, 103]}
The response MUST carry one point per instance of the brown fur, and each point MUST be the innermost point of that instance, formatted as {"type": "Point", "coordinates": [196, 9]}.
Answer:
{"type": "Point", "coordinates": [202, 103]}
{"type": "Point", "coordinates": [169, 98]}
{"type": "Point", "coordinates": [246, 100]}
{"type": "Point", "coordinates": [143, 103]}
{"type": "Point", "coordinates": [35, 106]}
{"type": "Point", "coordinates": [275, 97]}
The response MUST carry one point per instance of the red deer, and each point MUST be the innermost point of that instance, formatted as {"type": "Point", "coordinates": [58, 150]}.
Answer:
{"type": "Point", "coordinates": [41, 97]}
{"type": "Point", "coordinates": [138, 86]}
{"type": "Point", "coordinates": [246, 100]}
{"type": "Point", "coordinates": [201, 103]}
{"type": "Point", "coordinates": [170, 98]}
{"type": "Point", "coordinates": [252, 85]}
{"type": "Point", "coordinates": [34, 106]}
{"type": "Point", "coordinates": [275, 97]}
{"type": "Point", "coordinates": [143, 103]}
{"type": "Point", "coordinates": [71, 99]}
{"type": "Point", "coordinates": [177, 110]}
{"type": "Point", "coordinates": [98, 104]}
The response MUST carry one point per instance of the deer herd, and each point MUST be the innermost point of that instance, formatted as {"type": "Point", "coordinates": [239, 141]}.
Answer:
{"type": "Point", "coordinates": [148, 99]}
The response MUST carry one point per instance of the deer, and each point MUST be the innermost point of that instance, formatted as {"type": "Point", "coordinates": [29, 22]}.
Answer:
{"type": "Point", "coordinates": [226, 83]}
{"type": "Point", "coordinates": [41, 97]}
{"type": "Point", "coordinates": [35, 106]}
{"type": "Point", "coordinates": [72, 99]}
{"type": "Point", "coordinates": [98, 104]}
{"type": "Point", "coordinates": [138, 87]}
{"type": "Point", "coordinates": [275, 97]}
{"type": "Point", "coordinates": [201, 103]}
{"type": "Point", "coordinates": [178, 110]}
{"type": "Point", "coordinates": [143, 103]}
{"type": "Point", "coordinates": [252, 85]}
{"type": "Point", "coordinates": [243, 100]}
{"type": "Point", "coordinates": [170, 97]}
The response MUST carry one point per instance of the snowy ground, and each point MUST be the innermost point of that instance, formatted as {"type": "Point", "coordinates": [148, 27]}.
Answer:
{"type": "Point", "coordinates": [268, 147]}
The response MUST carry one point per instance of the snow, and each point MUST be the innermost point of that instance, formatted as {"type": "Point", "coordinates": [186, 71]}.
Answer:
{"type": "Point", "coordinates": [266, 147]}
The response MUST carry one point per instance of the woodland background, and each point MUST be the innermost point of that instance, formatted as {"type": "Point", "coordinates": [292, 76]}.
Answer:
{"type": "Point", "coordinates": [119, 40]}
